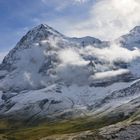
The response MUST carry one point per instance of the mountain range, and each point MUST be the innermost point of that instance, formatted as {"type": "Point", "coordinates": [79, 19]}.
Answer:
{"type": "Point", "coordinates": [49, 77]}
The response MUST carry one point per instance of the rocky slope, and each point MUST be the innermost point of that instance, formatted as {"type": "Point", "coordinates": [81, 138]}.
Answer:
{"type": "Point", "coordinates": [113, 132]}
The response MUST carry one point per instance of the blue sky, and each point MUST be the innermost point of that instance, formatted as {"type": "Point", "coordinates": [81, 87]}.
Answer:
{"type": "Point", "coordinates": [18, 16]}
{"type": "Point", "coordinates": [104, 19]}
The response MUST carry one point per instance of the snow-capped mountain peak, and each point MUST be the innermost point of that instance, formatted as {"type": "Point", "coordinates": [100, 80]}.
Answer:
{"type": "Point", "coordinates": [46, 29]}
{"type": "Point", "coordinates": [132, 39]}
{"type": "Point", "coordinates": [41, 32]}
{"type": "Point", "coordinates": [49, 73]}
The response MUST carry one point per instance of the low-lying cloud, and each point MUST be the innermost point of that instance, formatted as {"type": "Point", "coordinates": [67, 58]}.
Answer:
{"type": "Point", "coordinates": [113, 53]}
{"type": "Point", "coordinates": [74, 68]}
{"type": "Point", "coordinates": [108, 74]}
{"type": "Point", "coordinates": [71, 56]}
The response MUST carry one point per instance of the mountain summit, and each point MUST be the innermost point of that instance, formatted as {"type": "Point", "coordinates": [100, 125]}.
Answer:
{"type": "Point", "coordinates": [132, 39]}
{"type": "Point", "coordinates": [39, 33]}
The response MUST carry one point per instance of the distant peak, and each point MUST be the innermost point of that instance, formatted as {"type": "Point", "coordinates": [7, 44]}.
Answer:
{"type": "Point", "coordinates": [39, 33]}
{"type": "Point", "coordinates": [135, 30]}
{"type": "Point", "coordinates": [43, 25]}
{"type": "Point", "coordinates": [46, 28]}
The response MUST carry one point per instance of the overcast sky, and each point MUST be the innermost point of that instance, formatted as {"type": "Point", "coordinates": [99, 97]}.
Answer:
{"type": "Point", "coordinates": [104, 19]}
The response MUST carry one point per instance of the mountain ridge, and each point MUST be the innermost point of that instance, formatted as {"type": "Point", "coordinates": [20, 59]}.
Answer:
{"type": "Point", "coordinates": [54, 77]}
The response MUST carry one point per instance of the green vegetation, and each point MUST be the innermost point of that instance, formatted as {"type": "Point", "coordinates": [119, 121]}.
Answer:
{"type": "Point", "coordinates": [18, 131]}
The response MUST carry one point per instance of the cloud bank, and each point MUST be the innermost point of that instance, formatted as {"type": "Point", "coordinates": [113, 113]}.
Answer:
{"type": "Point", "coordinates": [111, 73]}
{"type": "Point", "coordinates": [109, 19]}
{"type": "Point", "coordinates": [113, 53]}
{"type": "Point", "coordinates": [76, 67]}
{"type": "Point", "coordinates": [71, 57]}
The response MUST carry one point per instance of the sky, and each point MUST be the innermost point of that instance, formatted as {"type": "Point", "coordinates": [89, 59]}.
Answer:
{"type": "Point", "coordinates": [104, 19]}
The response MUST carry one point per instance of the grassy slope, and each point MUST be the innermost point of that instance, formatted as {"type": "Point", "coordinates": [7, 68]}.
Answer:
{"type": "Point", "coordinates": [22, 132]}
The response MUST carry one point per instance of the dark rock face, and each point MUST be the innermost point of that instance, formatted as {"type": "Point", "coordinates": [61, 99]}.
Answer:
{"type": "Point", "coordinates": [108, 81]}
{"type": "Point", "coordinates": [7, 96]}
{"type": "Point", "coordinates": [42, 103]}
{"type": "Point", "coordinates": [120, 64]}
{"type": "Point", "coordinates": [8, 105]}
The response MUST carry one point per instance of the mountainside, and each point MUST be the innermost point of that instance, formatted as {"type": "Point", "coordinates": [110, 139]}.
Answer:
{"type": "Point", "coordinates": [49, 76]}
{"type": "Point", "coordinates": [131, 39]}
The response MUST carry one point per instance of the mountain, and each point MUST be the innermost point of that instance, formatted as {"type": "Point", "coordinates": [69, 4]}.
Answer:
{"type": "Point", "coordinates": [51, 77]}
{"type": "Point", "coordinates": [131, 39]}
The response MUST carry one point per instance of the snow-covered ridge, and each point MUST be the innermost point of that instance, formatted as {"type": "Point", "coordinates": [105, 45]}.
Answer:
{"type": "Point", "coordinates": [35, 61]}
{"type": "Point", "coordinates": [48, 73]}
{"type": "Point", "coordinates": [132, 39]}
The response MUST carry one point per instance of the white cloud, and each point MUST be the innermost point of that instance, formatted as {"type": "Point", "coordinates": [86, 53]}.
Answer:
{"type": "Point", "coordinates": [71, 57]}
{"type": "Point", "coordinates": [112, 53]}
{"type": "Point", "coordinates": [73, 63]}
{"type": "Point", "coordinates": [108, 74]}
{"type": "Point", "coordinates": [81, 1]}
{"type": "Point", "coordinates": [109, 19]}
{"type": "Point", "coordinates": [73, 68]}
{"type": "Point", "coordinates": [62, 4]}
